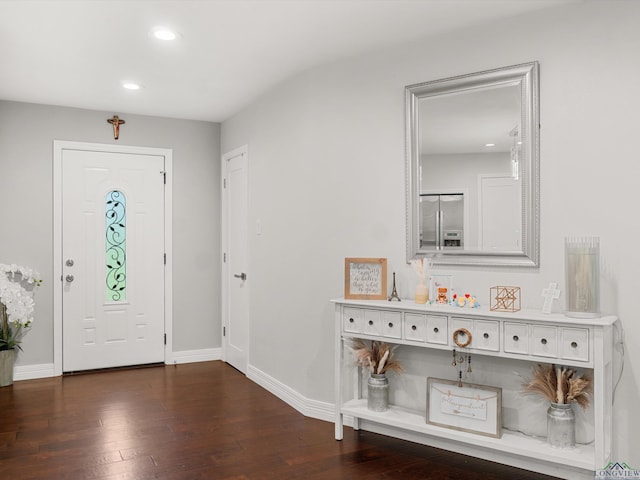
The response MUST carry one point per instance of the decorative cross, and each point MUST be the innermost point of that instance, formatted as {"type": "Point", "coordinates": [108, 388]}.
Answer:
{"type": "Point", "coordinates": [116, 122]}
{"type": "Point", "coordinates": [549, 294]}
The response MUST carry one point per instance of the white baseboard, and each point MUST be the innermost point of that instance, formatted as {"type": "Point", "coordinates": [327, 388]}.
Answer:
{"type": "Point", "coordinates": [46, 370]}
{"type": "Point", "coordinates": [194, 356]}
{"type": "Point", "coordinates": [31, 372]}
{"type": "Point", "coordinates": [306, 406]}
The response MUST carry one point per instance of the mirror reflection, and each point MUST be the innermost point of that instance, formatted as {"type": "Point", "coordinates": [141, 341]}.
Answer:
{"type": "Point", "coordinates": [472, 168]}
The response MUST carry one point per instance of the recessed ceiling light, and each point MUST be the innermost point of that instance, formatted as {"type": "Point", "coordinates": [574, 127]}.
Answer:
{"type": "Point", "coordinates": [489, 144]}
{"type": "Point", "coordinates": [131, 86]}
{"type": "Point", "coordinates": [162, 33]}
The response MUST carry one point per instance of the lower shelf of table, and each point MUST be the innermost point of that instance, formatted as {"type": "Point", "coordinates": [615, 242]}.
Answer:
{"type": "Point", "coordinates": [582, 456]}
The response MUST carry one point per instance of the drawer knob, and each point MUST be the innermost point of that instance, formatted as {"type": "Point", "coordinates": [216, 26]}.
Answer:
{"type": "Point", "coordinates": [370, 322]}
{"type": "Point", "coordinates": [543, 341]}
{"type": "Point", "coordinates": [435, 330]}
{"type": "Point", "coordinates": [516, 338]}
{"type": "Point", "coordinates": [486, 335]}
{"type": "Point", "coordinates": [390, 324]}
{"type": "Point", "coordinates": [414, 328]}
{"type": "Point", "coordinates": [351, 320]}
{"type": "Point", "coordinates": [574, 344]}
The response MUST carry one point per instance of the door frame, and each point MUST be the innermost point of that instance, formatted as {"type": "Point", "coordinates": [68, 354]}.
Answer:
{"type": "Point", "coordinates": [58, 147]}
{"type": "Point", "coordinates": [225, 273]}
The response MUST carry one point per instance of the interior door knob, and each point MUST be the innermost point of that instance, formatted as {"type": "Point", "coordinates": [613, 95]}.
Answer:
{"type": "Point", "coordinates": [242, 276]}
{"type": "Point", "coordinates": [69, 278]}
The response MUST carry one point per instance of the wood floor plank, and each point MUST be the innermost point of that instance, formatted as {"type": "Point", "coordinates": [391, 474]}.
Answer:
{"type": "Point", "coordinates": [198, 421]}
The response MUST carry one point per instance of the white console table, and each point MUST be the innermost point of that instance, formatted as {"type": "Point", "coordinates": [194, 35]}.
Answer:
{"type": "Point", "coordinates": [524, 335]}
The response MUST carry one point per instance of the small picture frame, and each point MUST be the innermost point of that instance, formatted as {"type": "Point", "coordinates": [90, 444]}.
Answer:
{"type": "Point", "coordinates": [440, 289]}
{"type": "Point", "coordinates": [365, 278]}
{"type": "Point", "coordinates": [470, 408]}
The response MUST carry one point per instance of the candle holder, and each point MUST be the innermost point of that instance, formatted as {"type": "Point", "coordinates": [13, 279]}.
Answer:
{"type": "Point", "coordinates": [582, 272]}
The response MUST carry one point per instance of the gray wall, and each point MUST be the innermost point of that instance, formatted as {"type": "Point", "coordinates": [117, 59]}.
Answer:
{"type": "Point", "coordinates": [27, 132]}
{"type": "Point", "coordinates": [326, 169]}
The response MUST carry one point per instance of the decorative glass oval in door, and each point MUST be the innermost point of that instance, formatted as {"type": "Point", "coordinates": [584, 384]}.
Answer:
{"type": "Point", "coordinates": [116, 249]}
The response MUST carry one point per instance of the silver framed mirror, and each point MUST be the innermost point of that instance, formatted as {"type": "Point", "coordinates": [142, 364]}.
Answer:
{"type": "Point", "coordinates": [472, 168]}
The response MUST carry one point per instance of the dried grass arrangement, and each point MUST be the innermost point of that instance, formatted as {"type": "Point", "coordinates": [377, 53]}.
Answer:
{"type": "Point", "coordinates": [375, 356]}
{"type": "Point", "coordinates": [560, 385]}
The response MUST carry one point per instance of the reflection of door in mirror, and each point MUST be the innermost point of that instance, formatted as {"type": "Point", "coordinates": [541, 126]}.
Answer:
{"type": "Point", "coordinates": [442, 221]}
{"type": "Point", "coordinates": [500, 213]}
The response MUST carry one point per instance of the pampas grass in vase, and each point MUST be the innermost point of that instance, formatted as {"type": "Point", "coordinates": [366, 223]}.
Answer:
{"type": "Point", "coordinates": [378, 358]}
{"type": "Point", "coordinates": [375, 356]}
{"type": "Point", "coordinates": [562, 386]}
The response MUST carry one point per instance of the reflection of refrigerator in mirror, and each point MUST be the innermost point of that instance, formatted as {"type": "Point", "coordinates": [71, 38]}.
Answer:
{"type": "Point", "coordinates": [441, 221]}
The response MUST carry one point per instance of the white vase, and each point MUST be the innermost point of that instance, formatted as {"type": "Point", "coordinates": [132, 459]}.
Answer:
{"type": "Point", "coordinates": [7, 361]}
{"type": "Point", "coordinates": [422, 292]}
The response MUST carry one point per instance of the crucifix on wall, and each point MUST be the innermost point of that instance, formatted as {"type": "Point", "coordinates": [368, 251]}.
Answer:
{"type": "Point", "coordinates": [116, 122]}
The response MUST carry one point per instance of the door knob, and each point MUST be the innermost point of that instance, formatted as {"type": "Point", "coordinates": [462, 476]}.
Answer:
{"type": "Point", "coordinates": [69, 278]}
{"type": "Point", "coordinates": [242, 276]}
{"type": "Point", "coordinates": [69, 262]}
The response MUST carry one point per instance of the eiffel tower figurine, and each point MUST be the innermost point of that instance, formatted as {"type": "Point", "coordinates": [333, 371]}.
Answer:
{"type": "Point", "coordinates": [394, 292]}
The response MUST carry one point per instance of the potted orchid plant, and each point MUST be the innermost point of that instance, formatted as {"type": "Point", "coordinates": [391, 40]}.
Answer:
{"type": "Point", "coordinates": [16, 313]}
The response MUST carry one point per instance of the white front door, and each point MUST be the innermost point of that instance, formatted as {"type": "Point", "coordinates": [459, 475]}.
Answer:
{"type": "Point", "coordinates": [235, 279]}
{"type": "Point", "coordinates": [112, 246]}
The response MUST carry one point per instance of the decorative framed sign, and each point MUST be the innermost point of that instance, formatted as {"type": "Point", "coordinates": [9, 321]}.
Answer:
{"type": "Point", "coordinates": [470, 408]}
{"type": "Point", "coordinates": [365, 278]}
{"type": "Point", "coordinates": [440, 289]}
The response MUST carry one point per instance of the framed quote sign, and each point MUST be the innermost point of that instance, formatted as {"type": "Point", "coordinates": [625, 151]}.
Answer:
{"type": "Point", "coordinates": [365, 278]}
{"type": "Point", "coordinates": [469, 408]}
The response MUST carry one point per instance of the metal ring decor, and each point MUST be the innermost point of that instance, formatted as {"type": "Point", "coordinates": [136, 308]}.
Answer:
{"type": "Point", "coordinates": [465, 332]}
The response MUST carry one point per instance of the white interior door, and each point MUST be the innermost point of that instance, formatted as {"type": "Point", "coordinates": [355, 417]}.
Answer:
{"type": "Point", "coordinates": [500, 214]}
{"type": "Point", "coordinates": [235, 279]}
{"type": "Point", "coordinates": [112, 259]}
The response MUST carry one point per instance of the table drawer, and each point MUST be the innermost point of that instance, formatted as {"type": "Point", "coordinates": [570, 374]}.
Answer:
{"type": "Point", "coordinates": [544, 341]}
{"type": "Point", "coordinates": [486, 335]}
{"type": "Point", "coordinates": [575, 344]}
{"type": "Point", "coordinates": [415, 327]}
{"type": "Point", "coordinates": [372, 322]}
{"type": "Point", "coordinates": [516, 338]}
{"type": "Point", "coordinates": [436, 331]}
{"type": "Point", "coordinates": [392, 324]}
{"type": "Point", "coordinates": [352, 320]}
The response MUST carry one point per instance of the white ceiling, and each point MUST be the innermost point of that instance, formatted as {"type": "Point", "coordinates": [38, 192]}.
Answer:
{"type": "Point", "coordinates": [463, 123]}
{"type": "Point", "coordinates": [78, 52]}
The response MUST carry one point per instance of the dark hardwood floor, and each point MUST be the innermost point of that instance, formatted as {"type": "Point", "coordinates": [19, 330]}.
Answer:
{"type": "Point", "coordinates": [197, 421]}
